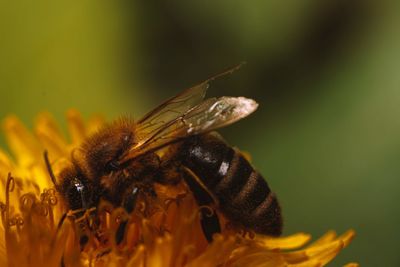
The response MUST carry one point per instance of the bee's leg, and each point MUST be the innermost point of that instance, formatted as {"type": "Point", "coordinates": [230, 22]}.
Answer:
{"type": "Point", "coordinates": [82, 231]}
{"type": "Point", "coordinates": [129, 204]}
{"type": "Point", "coordinates": [130, 200]}
{"type": "Point", "coordinates": [209, 219]}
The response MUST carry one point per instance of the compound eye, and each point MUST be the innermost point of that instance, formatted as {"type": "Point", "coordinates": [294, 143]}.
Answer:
{"type": "Point", "coordinates": [77, 195]}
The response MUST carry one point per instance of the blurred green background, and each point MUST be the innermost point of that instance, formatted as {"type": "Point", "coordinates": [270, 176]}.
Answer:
{"type": "Point", "coordinates": [326, 75]}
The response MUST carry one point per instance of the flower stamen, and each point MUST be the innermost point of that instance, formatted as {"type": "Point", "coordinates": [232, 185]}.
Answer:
{"type": "Point", "coordinates": [9, 188]}
{"type": "Point", "coordinates": [208, 211]}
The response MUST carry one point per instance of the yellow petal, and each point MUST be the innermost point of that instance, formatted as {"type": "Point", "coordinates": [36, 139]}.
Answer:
{"type": "Point", "coordinates": [76, 126]}
{"type": "Point", "coordinates": [22, 143]}
{"type": "Point", "coordinates": [5, 163]}
{"type": "Point", "coordinates": [326, 238]}
{"type": "Point", "coordinates": [95, 123]}
{"type": "Point", "coordinates": [351, 264]}
{"type": "Point", "coordinates": [288, 242]}
{"type": "Point", "coordinates": [347, 237]}
{"type": "Point", "coordinates": [160, 254]}
{"type": "Point", "coordinates": [309, 263]}
{"type": "Point", "coordinates": [264, 259]}
{"type": "Point", "coordinates": [50, 136]}
{"type": "Point", "coordinates": [3, 254]}
{"type": "Point", "coordinates": [216, 253]}
{"type": "Point", "coordinates": [295, 257]}
{"type": "Point", "coordinates": [138, 259]}
{"type": "Point", "coordinates": [6, 166]}
{"type": "Point", "coordinates": [325, 253]}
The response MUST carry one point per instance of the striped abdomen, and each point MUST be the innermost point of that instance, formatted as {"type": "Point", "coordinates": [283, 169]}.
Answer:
{"type": "Point", "coordinates": [243, 194]}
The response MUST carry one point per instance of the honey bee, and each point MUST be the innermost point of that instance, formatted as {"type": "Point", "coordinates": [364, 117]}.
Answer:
{"type": "Point", "coordinates": [121, 161]}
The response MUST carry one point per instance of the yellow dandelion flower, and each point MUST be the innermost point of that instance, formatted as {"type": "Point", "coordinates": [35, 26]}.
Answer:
{"type": "Point", "coordinates": [37, 230]}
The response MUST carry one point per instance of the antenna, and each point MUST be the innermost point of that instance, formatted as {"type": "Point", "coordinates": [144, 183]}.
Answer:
{"type": "Point", "coordinates": [50, 170]}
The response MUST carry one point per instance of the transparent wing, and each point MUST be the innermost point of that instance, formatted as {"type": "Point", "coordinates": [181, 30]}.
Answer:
{"type": "Point", "coordinates": [208, 115]}
{"type": "Point", "coordinates": [178, 105]}
{"type": "Point", "coordinates": [170, 110]}
{"type": "Point", "coordinates": [174, 109]}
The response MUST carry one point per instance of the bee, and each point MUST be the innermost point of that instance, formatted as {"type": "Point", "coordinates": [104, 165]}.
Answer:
{"type": "Point", "coordinates": [120, 161]}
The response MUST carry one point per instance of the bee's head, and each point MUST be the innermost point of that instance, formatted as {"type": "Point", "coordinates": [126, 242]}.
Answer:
{"type": "Point", "coordinates": [81, 197]}
{"type": "Point", "coordinates": [76, 190]}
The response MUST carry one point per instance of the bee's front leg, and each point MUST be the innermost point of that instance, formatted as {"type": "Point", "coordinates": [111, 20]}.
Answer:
{"type": "Point", "coordinates": [129, 203]}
